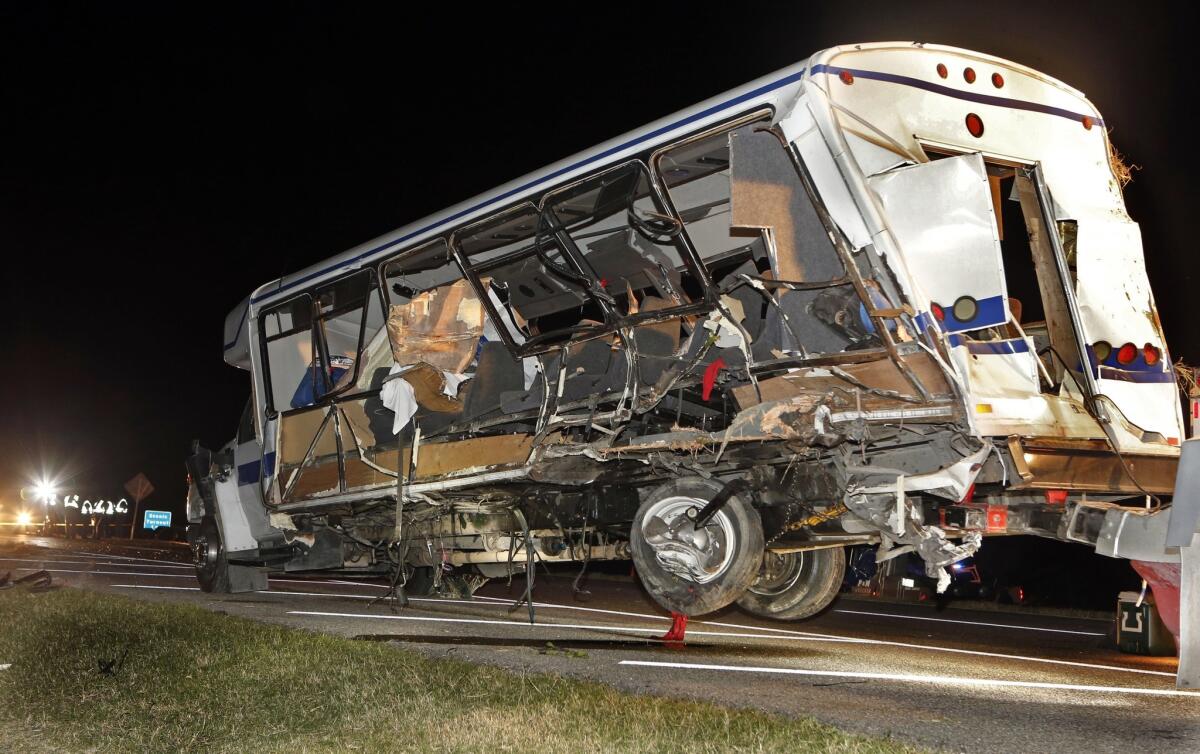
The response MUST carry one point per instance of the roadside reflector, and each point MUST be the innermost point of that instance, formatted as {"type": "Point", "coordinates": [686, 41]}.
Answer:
{"type": "Point", "coordinates": [997, 80]}
{"type": "Point", "coordinates": [975, 125]}
{"type": "Point", "coordinates": [1087, 122]}
{"type": "Point", "coordinates": [966, 309]}
{"type": "Point", "coordinates": [1103, 350]}
{"type": "Point", "coordinates": [1056, 497]}
{"type": "Point", "coordinates": [969, 75]}
{"type": "Point", "coordinates": [846, 77]}
{"type": "Point", "coordinates": [941, 69]}
{"type": "Point", "coordinates": [1127, 354]}
{"type": "Point", "coordinates": [983, 408]}
{"type": "Point", "coordinates": [1151, 354]}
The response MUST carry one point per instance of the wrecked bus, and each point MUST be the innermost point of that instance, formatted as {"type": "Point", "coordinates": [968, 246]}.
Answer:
{"type": "Point", "coordinates": [888, 295]}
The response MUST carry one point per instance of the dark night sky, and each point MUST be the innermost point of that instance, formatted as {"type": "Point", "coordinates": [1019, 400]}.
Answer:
{"type": "Point", "coordinates": [162, 160]}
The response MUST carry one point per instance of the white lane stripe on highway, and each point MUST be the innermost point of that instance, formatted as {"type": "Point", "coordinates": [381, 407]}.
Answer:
{"type": "Point", "coordinates": [974, 623]}
{"type": "Point", "coordinates": [768, 632]}
{"type": "Point", "coordinates": [944, 680]}
{"type": "Point", "coordinates": [147, 586]}
{"type": "Point", "coordinates": [89, 562]}
{"type": "Point", "coordinates": [101, 556]}
{"type": "Point", "coordinates": [486, 621]}
{"type": "Point", "coordinates": [114, 573]}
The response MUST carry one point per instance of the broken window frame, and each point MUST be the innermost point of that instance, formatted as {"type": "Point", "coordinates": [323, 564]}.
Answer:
{"type": "Point", "coordinates": [853, 275]}
{"type": "Point", "coordinates": [317, 339]}
{"type": "Point", "coordinates": [589, 286]}
{"type": "Point", "coordinates": [688, 258]}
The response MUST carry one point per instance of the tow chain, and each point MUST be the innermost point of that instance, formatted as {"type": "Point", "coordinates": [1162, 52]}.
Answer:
{"type": "Point", "coordinates": [810, 521]}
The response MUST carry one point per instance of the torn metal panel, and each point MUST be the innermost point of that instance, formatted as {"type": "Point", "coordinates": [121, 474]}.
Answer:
{"type": "Point", "coordinates": [440, 327]}
{"type": "Point", "coordinates": [941, 215]}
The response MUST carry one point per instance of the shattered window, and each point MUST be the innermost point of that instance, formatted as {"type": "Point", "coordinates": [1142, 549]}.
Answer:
{"type": "Point", "coordinates": [626, 239]}
{"type": "Point", "coordinates": [541, 296]}
{"type": "Point", "coordinates": [348, 318]}
{"type": "Point", "coordinates": [750, 219]}
{"type": "Point", "coordinates": [744, 206]}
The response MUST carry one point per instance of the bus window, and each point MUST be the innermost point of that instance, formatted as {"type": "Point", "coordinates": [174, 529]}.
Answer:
{"type": "Point", "coordinates": [542, 298]}
{"type": "Point", "coordinates": [626, 239]}
{"type": "Point", "coordinates": [287, 334]}
{"type": "Point", "coordinates": [310, 357]}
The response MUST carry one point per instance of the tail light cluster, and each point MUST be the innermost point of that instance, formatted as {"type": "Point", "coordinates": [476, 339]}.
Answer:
{"type": "Point", "coordinates": [969, 75]}
{"type": "Point", "coordinates": [1127, 355]}
{"type": "Point", "coordinates": [965, 309]}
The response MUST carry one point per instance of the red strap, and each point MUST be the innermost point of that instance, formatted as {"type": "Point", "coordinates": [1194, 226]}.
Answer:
{"type": "Point", "coordinates": [678, 626]}
{"type": "Point", "coordinates": [710, 375]}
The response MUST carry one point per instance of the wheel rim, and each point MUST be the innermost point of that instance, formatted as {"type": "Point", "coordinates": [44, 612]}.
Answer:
{"type": "Point", "coordinates": [780, 572]}
{"type": "Point", "coordinates": [206, 550]}
{"type": "Point", "coordinates": [698, 555]}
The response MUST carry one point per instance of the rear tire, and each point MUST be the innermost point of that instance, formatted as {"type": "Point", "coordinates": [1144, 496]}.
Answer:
{"type": "Point", "coordinates": [692, 571]}
{"type": "Point", "coordinates": [795, 585]}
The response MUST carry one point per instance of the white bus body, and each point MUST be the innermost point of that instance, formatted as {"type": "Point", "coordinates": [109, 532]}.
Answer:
{"type": "Point", "coordinates": [890, 294]}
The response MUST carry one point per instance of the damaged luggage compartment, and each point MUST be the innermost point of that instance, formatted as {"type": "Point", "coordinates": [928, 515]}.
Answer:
{"type": "Point", "coordinates": [829, 308]}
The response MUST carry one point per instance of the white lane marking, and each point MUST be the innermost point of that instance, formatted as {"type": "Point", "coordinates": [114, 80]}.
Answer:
{"type": "Point", "coordinates": [101, 556]}
{"type": "Point", "coordinates": [944, 680]}
{"type": "Point", "coordinates": [780, 632]}
{"type": "Point", "coordinates": [148, 586]}
{"type": "Point", "coordinates": [114, 573]}
{"type": "Point", "coordinates": [87, 562]}
{"type": "Point", "coordinates": [485, 621]}
{"type": "Point", "coordinates": [974, 623]}
{"type": "Point", "coordinates": [811, 636]}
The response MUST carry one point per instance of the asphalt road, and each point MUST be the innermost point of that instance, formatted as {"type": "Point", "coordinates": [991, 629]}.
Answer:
{"type": "Point", "coordinates": [956, 680]}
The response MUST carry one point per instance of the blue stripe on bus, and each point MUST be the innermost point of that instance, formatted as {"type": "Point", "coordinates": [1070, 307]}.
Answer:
{"type": "Point", "coordinates": [991, 347]}
{"type": "Point", "coordinates": [983, 99]}
{"type": "Point", "coordinates": [988, 313]}
{"type": "Point", "coordinates": [1125, 375]}
{"type": "Point", "coordinates": [248, 472]}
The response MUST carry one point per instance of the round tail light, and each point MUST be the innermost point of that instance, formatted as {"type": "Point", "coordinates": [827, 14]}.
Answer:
{"type": "Point", "coordinates": [974, 125]}
{"type": "Point", "coordinates": [1151, 354]}
{"type": "Point", "coordinates": [846, 77]}
{"type": "Point", "coordinates": [969, 75]}
{"type": "Point", "coordinates": [1127, 354]}
{"type": "Point", "coordinates": [1103, 350]}
{"type": "Point", "coordinates": [941, 69]}
{"type": "Point", "coordinates": [997, 80]}
{"type": "Point", "coordinates": [938, 313]}
{"type": "Point", "coordinates": [1087, 122]}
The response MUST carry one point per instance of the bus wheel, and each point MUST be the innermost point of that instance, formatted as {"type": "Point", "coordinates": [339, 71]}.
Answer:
{"type": "Point", "coordinates": [208, 556]}
{"type": "Point", "coordinates": [692, 570]}
{"type": "Point", "coordinates": [795, 585]}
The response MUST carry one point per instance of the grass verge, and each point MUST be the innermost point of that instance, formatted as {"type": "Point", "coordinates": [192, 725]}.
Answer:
{"type": "Point", "coordinates": [195, 680]}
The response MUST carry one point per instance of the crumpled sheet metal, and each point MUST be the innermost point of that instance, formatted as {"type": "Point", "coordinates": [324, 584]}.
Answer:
{"type": "Point", "coordinates": [886, 506]}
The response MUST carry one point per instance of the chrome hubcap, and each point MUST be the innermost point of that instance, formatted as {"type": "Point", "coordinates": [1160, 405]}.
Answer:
{"type": "Point", "coordinates": [696, 554]}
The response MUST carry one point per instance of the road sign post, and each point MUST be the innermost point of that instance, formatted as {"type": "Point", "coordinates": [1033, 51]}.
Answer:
{"type": "Point", "coordinates": [139, 488]}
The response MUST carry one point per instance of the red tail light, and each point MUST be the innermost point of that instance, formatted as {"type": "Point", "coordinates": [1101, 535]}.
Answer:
{"type": "Point", "coordinates": [941, 69]}
{"type": "Point", "coordinates": [975, 125]}
{"type": "Point", "coordinates": [1087, 122]}
{"type": "Point", "coordinates": [997, 80]}
{"type": "Point", "coordinates": [846, 77]}
{"type": "Point", "coordinates": [1151, 354]}
{"type": "Point", "coordinates": [969, 75]}
{"type": "Point", "coordinates": [1127, 354]}
{"type": "Point", "coordinates": [938, 313]}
